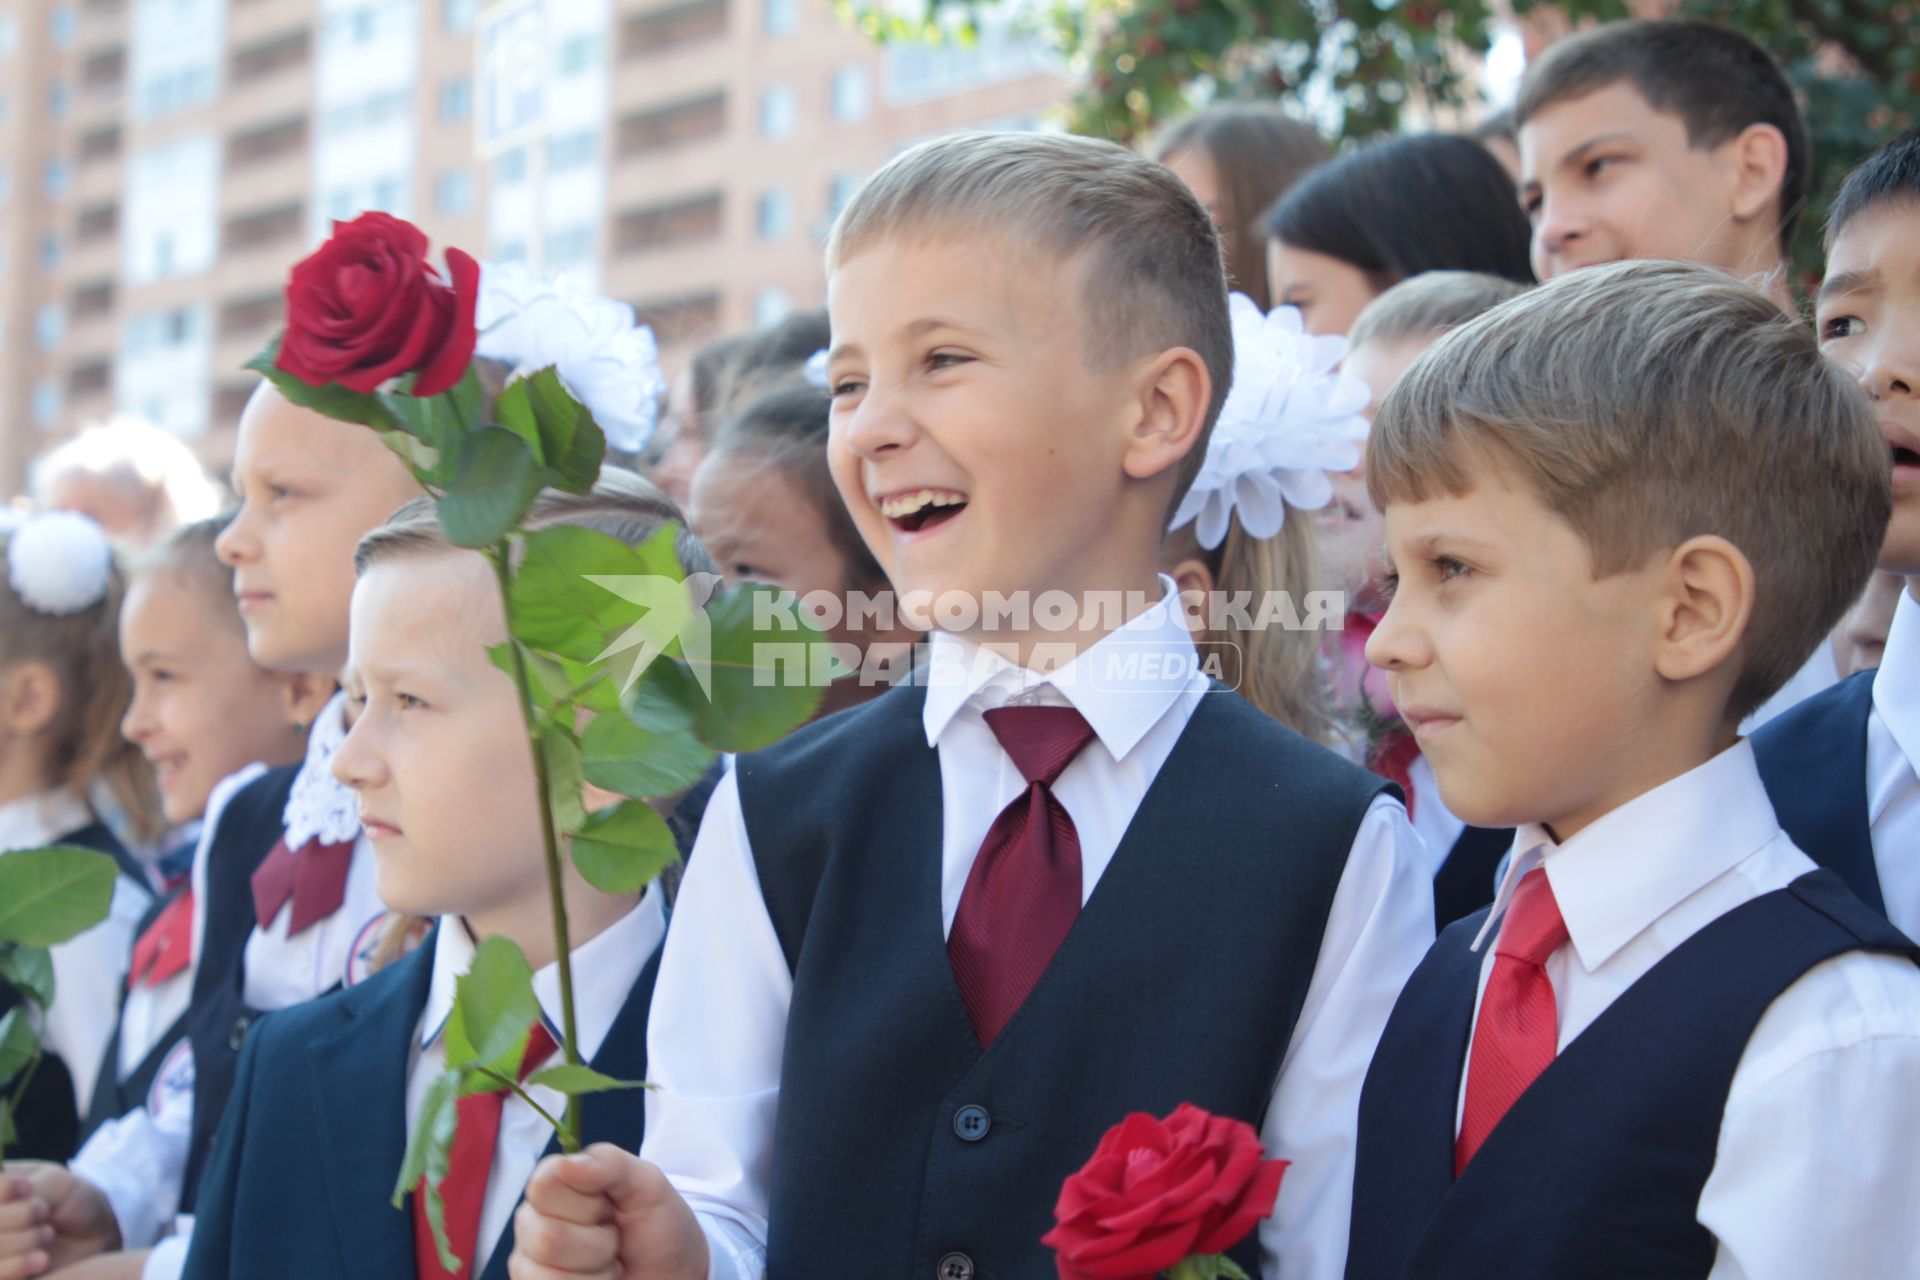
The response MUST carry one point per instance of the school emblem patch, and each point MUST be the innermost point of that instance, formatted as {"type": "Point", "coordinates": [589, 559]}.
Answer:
{"type": "Point", "coordinates": [170, 1099]}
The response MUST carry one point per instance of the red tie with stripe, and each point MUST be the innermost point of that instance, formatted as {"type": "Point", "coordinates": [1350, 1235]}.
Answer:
{"type": "Point", "coordinates": [1517, 1033]}
{"type": "Point", "coordinates": [1023, 893]}
{"type": "Point", "coordinates": [164, 949]}
{"type": "Point", "coordinates": [463, 1192]}
{"type": "Point", "coordinates": [313, 877]}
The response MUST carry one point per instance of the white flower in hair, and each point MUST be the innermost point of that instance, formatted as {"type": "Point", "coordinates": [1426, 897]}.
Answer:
{"type": "Point", "coordinates": [608, 362]}
{"type": "Point", "coordinates": [1288, 421]}
{"type": "Point", "coordinates": [58, 562]}
{"type": "Point", "coordinates": [816, 369]}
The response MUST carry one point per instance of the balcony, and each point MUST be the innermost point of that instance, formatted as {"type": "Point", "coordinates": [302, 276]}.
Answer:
{"type": "Point", "coordinates": [662, 128]}
{"type": "Point", "coordinates": [263, 228]}
{"type": "Point", "coordinates": [680, 319]}
{"type": "Point", "coordinates": [686, 221]}
{"type": "Point", "coordinates": [264, 143]}
{"type": "Point", "coordinates": [270, 56]}
{"type": "Point", "coordinates": [671, 26]}
{"type": "Point", "coordinates": [253, 314]}
{"type": "Point", "coordinates": [100, 143]}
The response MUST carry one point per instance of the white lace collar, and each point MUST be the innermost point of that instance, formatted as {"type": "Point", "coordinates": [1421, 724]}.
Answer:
{"type": "Point", "coordinates": [320, 807]}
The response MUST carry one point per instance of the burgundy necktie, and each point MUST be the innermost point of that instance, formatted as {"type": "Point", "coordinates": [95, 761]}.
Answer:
{"type": "Point", "coordinates": [314, 877]}
{"type": "Point", "coordinates": [463, 1192]}
{"type": "Point", "coordinates": [1517, 1033]}
{"type": "Point", "coordinates": [1023, 893]}
{"type": "Point", "coordinates": [164, 949]}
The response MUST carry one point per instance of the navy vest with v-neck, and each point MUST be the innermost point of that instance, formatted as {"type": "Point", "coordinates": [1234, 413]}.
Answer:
{"type": "Point", "coordinates": [1813, 760]}
{"type": "Point", "coordinates": [904, 1149]}
{"type": "Point", "coordinates": [1597, 1170]}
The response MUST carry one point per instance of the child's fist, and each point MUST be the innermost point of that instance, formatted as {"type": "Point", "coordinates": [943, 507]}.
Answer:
{"type": "Point", "coordinates": [604, 1214]}
{"type": "Point", "coordinates": [49, 1218]}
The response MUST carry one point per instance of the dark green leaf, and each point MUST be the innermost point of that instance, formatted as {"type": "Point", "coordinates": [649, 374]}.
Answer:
{"type": "Point", "coordinates": [666, 699]}
{"type": "Point", "coordinates": [18, 1044]}
{"type": "Point", "coordinates": [496, 1006]}
{"type": "Point", "coordinates": [513, 410]}
{"type": "Point", "coordinates": [574, 1080]}
{"type": "Point", "coordinates": [496, 482]}
{"type": "Point", "coordinates": [49, 895]}
{"type": "Point", "coordinates": [621, 756]}
{"type": "Point", "coordinates": [572, 443]}
{"type": "Point", "coordinates": [562, 751]}
{"type": "Point", "coordinates": [560, 600]}
{"type": "Point", "coordinates": [757, 671]}
{"type": "Point", "coordinates": [429, 1147]}
{"type": "Point", "coordinates": [332, 400]}
{"type": "Point", "coordinates": [8, 1134]}
{"type": "Point", "coordinates": [620, 849]}
{"type": "Point", "coordinates": [30, 970]}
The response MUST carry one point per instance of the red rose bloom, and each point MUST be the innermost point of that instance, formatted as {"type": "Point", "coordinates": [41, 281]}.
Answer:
{"type": "Point", "coordinates": [367, 306]}
{"type": "Point", "coordinates": [1160, 1191]}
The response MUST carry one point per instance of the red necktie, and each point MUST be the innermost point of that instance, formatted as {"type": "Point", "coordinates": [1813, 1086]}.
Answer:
{"type": "Point", "coordinates": [314, 877]}
{"type": "Point", "coordinates": [1517, 1033]}
{"type": "Point", "coordinates": [463, 1192]}
{"type": "Point", "coordinates": [164, 949]}
{"type": "Point", "coordinates": [1023, 893]}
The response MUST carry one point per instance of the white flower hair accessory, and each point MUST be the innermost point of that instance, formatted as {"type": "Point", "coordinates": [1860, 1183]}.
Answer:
{"type": "Point", "coordinates": [607, 361]}
{"type": "Point", "coordinates": [1288, 421]}
{"type": "Point", "coordinates": [815, 370]}
{"type": "Point", "coordinates": [58, 562]}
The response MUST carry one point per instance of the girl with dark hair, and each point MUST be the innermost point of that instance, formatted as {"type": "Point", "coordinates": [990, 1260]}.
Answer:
{"type": "Point", "coordinates": [1237, 160]}
{"type": "Point", "coordinates": [1354, 228]}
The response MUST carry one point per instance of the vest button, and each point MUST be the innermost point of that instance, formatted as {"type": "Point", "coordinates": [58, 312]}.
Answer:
{"type": "Point", "coordinates": [970, 1124]}
{"type": "Point", "coordinates": [955, 1266]}
{"type": "Point", "coordinates": [238, 1035]}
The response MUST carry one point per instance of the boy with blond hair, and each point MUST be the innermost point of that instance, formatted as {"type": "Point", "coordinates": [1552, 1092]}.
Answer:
{"type": "Point", "coordinates": [890, 1023]}
{"type": "Point", "coordinates": [1621, 511]}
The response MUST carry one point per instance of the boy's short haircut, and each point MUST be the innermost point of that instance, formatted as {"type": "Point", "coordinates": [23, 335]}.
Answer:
{"type": "Point", "coordinates": [1717, 80]}
{"type": "Point", "coordinates": [1890, 175]}
{"type": "Point", "coordinates": [621, 505]}
{"type": "Point", "coordinates": [1154, 275]}
{"type": "Point", "coordinates": [1647, 403]}
{"type": "Point", "coordinates": [1429, 305]}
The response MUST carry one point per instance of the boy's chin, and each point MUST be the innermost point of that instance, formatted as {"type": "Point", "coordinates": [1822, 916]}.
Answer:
{"type": "Point", "coordinates": [1900, 552]}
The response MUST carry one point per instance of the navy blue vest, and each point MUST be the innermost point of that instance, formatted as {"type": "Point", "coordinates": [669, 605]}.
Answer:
{"type": "Point", "coordinates": [1465, 881]}
{"type": "Point", "coordinates": [1596, 1172]}
{"type": "Point", "coordinates": [218, 1018]}
{"type": "Point", "coordinates": [300, 1182]}
{"type": "Point", "coordinates": [1813, 760]}
{"type": "Point", "coordinates": [47, 1117]}
{"type": "Point", "coordinates": [901, 1148]}
{"type": "Point", "coordinates": [113, 1097]}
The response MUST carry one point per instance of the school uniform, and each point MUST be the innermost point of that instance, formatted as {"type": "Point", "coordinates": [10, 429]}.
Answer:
{"type": "Point", "coordinates": [87, 972]}
{"type": "Point", "coordinates": [850, 1085]}
{"type": "Point", "coordinates": [1841, 771]}
{"type": "Point", "coordinates": [151, 1026]}
{"type": "Point", "coordinates": [1729, 1042]}
{"type": "Point", "coordinates": [300, 1184]}
{"type": "Point", "coordinates": [290, 912]}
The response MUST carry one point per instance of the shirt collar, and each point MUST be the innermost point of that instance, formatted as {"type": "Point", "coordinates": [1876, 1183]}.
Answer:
{"type": "Point", "coordinates": [605, 967]}
{"type": "Point", "coordinates": [1618, 876]}
{"type": "Point", "coordinates": [1896, 686]}
{"type": "Point", "coordinates": [320, 806]}
{"type": "Point", "coordinates": [33, 821]}
{"type": "Point", "coordinates": [1123, 684]}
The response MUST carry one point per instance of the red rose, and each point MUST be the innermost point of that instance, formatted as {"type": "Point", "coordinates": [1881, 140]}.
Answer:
{"type": "Point", "coordinates": [367, 306]}
{"type": "Point", "coordinates": [1160, 1191]}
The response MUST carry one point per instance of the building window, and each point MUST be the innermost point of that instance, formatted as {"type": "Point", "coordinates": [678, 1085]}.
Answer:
{"type": "Point", "coordinates": [453, 193]}
{"type": "Point", "coordinates": [511, 251]}
{"type": "Point", "coordinates": [456, 100]}
{"type": "Point", "coordinates": [569, 247]}
{"type": "Point", "coordinates": [176, 50]}
{"type": "Point", "coordinates": [57, 179]}
{"type": "Point", "coordinates": [770, 307]}
{"type": "Point", "coordinates": [781, 16]}
{"type": "Point", "coordinates": [58, 97]}
{"type": "Point", "coordinates": [9, 34]}
{"type": "Point", "coordinates": [511, 168]}
{"type": "Point", "coordinates": [64, 25]}
{"type": "Point", "coordinates": [170, 213]}
{"type": "Point", "coordinates": [339, 204]}
{"type": "Point", "coordinates": [852, 94]}
{"type": "Point", "coordinates": [49, 325]}
{"type": "Point", "coordinates": [390, 195]}
{"type": "Point", "coordinates": [572, 150]}
{"type": "Point", "coordinates": [774, 218]}
{"type": "Point", "coordinates": [578, 55]}
{"type": "Point", "coordinates": [840, 191]}
{"type": "Point", "coordinates": [778, 111]}
{"type": "Point", "coordinates": [46, 403]}
{"type": "Point", "coordinates": [50, 251]}
{"type": "Point", "coordinates": [457, 15]}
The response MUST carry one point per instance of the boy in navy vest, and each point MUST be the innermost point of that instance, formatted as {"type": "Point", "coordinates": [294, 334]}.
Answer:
{"type": "Point", "coordinates": [889, 1022]}
{"type": "Point", "coordinates": [1621, 511]}
{"type": "Point", "coordinates": [1841, 767]}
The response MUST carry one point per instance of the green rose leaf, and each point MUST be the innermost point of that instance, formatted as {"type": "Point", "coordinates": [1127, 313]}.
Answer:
{"type": "Point", "coordinates": [429, 1148]}
{"type": "Point", "coordinates": [560, 600]}
{"type": "Point", "coordinates": [564, 777]}
{"type": "Point", "coordinates": [29, 970]}
{"type": "Point", "coordinates": [757, 670]}
{"type": "Point", "coordinates": [620, 849]}
{"type": "Point", "coordinates": [666, 699]}
{"type": "Point", "coordinates": [495, 1007]}
{"type": "Point", "coordinates": [49, 895]}
{"type": "Point", "coordinates": [496, 481]}
{"type": "Point", "coordinates": [514, 411]}
{"type": "Point", "coordinates": [333, 400]}
{"type": "Point", "coordinates": [18, 1044]}
{"type": "Point", "coordinates": [621, 756]}
{"type": "Point", "coordinates": [572, 441]}
{"type": "Point", "coordinates": [574, 1080]}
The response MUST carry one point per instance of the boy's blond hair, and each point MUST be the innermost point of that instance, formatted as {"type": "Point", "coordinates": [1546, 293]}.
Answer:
{"type": "Point", "coordinates": [1647, 403]}
{"type": "Point", "coordinates": [1427, 305]}
{"type": "Point", "coordinates": [1154, 276]}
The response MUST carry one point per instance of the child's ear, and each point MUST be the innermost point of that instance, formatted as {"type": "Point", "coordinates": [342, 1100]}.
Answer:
{"type": "Point", "coordinates": [1175, 392]}
{"type": "Point", "coordinates": [303, 696]}
{"type": "Point", "coordinates": [1758, 166]}
{"type": "Point", "coordinates": [1191, 574]}
{"type": "Point", "coordinates": [29, 698]}
{"type": "Point", "coordinates": [1705, 608]}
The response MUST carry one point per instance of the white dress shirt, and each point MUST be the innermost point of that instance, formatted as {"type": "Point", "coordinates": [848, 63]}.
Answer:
{"type": "Point", "coordinates": [1893, 756]}
{"type": "Point", "coordinates": [605, 968]}
{"type": "Point", "coordinates": [719, 1015]}
{"type": "Point", "coordinates": [89, 968]}
{"type": "Point", "coordinates": [139, 1162]}
{"type": "Point", "coordinates": [1813, 1175]}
